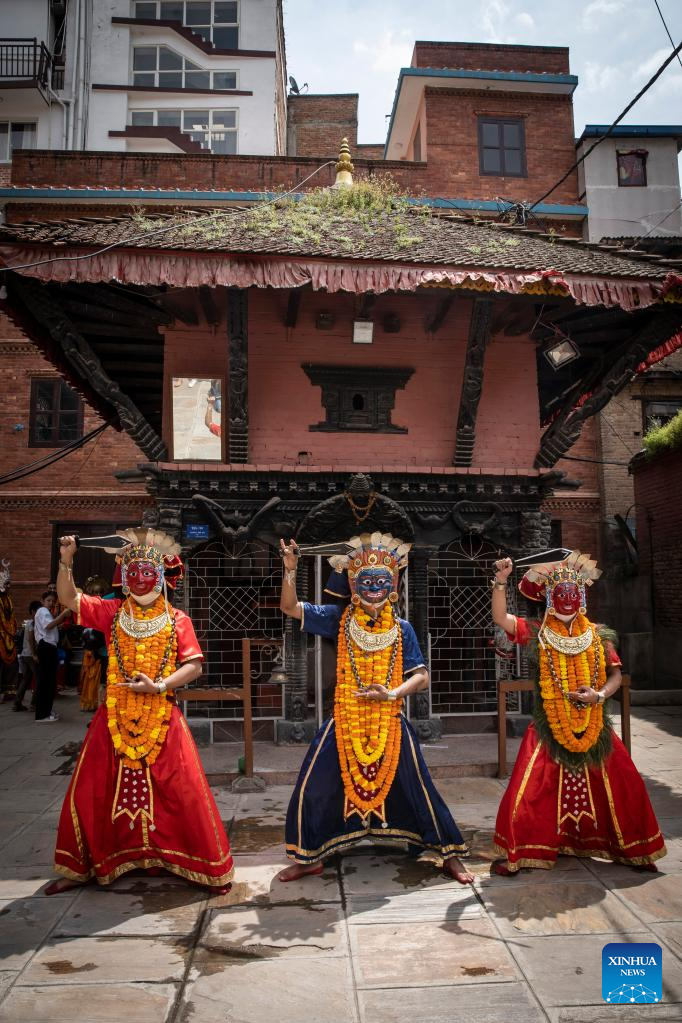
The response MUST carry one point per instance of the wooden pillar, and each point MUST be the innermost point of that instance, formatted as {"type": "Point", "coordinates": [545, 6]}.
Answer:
{"type": "Point", "coordinates": [472, 381]}
{"type": "Point", "coordinates": [238, 383]}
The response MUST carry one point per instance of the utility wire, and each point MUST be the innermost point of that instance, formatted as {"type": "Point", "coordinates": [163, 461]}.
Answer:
{"type": "Point", "coordinates": [617, 121]}
{"type": "Point", "coordinates": [164, 230]}
{"type": "Point", "coordinates": [42, 463]}
{"type": "Point", "coordinates": [672, 41]}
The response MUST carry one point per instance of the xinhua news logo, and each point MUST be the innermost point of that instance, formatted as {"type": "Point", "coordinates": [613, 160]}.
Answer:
{"type": "Point", "coordinates": [631, 973]}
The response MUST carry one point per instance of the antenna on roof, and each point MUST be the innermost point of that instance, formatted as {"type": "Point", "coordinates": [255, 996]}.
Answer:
{"type": "Point", "coordinates": [293, 85]}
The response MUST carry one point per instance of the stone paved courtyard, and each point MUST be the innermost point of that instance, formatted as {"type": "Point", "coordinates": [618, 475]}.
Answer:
{"type": "Point", "coordinates": [377, 937]}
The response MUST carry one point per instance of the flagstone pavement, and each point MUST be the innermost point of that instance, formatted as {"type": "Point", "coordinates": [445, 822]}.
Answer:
{"type": "Point", "coordinates": [376, 937]}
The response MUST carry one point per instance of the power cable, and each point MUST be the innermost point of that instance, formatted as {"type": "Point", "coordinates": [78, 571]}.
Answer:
{"type": "Point", "coordinates": [607, 133]}
{"type": "Point", "coordinates": [167, 228]}
{"type": "Point", "coordinates": [672, 41]}
{"type": "Point", "coordinates": [22, 471]}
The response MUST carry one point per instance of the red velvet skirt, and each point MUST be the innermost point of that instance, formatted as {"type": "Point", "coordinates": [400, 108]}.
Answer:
{"type": "Point", "coordinates": [114, 819]}
{"type": "Point", "coordinates": [601, 811]}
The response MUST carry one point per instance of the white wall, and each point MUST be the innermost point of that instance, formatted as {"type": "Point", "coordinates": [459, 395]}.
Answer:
{"type": "Point", "coordinates": [617, 211]}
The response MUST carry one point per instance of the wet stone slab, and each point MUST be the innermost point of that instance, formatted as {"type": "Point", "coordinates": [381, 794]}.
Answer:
{"type": "Point", "coordinates": [436, 905]}
{"type": "Point", "coordinates": [567, 870]}
{"type": "Point", "coordinates": [467, 952]}
{"type": "Point", "coordinates": [562, 908]}
{"type": "Point", "coordinates": [143, 1003]}
{"type": "Point", "coordinates": [369, 872]}
{"type": "Point", "coordinates": [251, 933]}
{"type": "Point", "coordinates": [657, 900]}
{"type": "Point", "coordinates": [252, 834]}
{"type": "Point", "coordinates": [151, 912]}
{"type": "Point", "coordinates": [255, 882]}
{"type": "Point", "coordinates": [479, 1003]}
{"type": "Point", "coordinates": [24, 925]}
{"type": "Point", "coordinates": [283, 990]}
{"type": "Point", "coordinates": [107, 960]}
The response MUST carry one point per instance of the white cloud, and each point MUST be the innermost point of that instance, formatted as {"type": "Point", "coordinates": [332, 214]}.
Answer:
{"type": "Point", "coordinates": [494, 18]}
{"type": "Point", "coordinates": [599, 77]}
{"type": "Point", "coordinates": [525, 20]}
{"type": "Point", "coordinates": [598, 8]}
{"type": "Point", "coordinates": [647, 68]}
{"type": "Point", "coordinates": [389, 52]}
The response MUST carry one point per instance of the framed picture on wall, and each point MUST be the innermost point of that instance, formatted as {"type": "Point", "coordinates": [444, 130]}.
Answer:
{"type": "Point", "coordinates": [197, 408]}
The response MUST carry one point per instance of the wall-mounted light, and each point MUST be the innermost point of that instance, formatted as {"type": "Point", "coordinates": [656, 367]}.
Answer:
{"type": "Point", "coordinates": [363, 332]}
{"type": "Point", "coordinates": [561, 352]}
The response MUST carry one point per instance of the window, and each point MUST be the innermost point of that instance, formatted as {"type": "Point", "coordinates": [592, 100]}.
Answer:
{"type": "Point", "coordinates": [217, 21]}
{"type": "Point", "coordinates": [161, 67]}
{"type": "Point", "coordinates": [16, 135]}
{"type": "Point", "coordinates": [56, 414]}
{"type": "Point", "coordinates": [363, 409]}
{"type": "Point", "coordinates": [215, 130]}
{"type": "Point", "coordinates": [632, 168]}
{"type": "Point", "coordinates": [659, 413]}
{"type": "Point", "coordinates": [501, 147]}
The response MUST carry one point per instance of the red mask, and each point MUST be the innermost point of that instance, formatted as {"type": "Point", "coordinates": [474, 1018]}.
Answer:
{"type": "Point", "coordinates": [566, 598]}
{"type": "Point", "coordinates": [141, 577]}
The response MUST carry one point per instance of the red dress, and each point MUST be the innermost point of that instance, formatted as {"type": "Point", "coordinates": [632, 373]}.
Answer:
{"type": "Point", "coordinates": [174, 822]}
{"type": "Point", "coordinates": [600, 810]}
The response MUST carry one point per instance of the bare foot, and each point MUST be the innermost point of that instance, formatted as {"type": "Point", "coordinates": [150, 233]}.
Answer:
{"type": "Point", "coordinates": [297, 870]}
{"type": "Point", "coordinates": [225, 890]}
{"type": "Point", "coordinates": [62, 884]}
{"type": "Point", "coordinates": [500, 867]}
{"type": "Point", "coordinates": [455, 868]}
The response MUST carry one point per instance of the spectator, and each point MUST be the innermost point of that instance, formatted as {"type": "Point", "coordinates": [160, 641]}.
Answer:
{"type": "Point", "coordinates": [94, 667]}
{"type": "Point", "coordinates": [28, 657]}
{"type": "Point", "coordinates": [215, 428]}
{"type": "Point", "coordinates": [46, 628]}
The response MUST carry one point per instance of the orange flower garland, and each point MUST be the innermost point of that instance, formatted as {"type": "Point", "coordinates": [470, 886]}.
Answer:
{"type": "Point", "coordinates": [367, 731]}
{"type": "Point", "coordinates": [8, 628]}
{"type": "Point", "coordinates": [138, 722]}
{"type": "Point", "coordinates": [573, 728]}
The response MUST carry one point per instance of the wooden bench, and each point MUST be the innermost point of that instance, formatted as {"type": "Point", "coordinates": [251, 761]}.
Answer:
{"type": "Point", "coordinates": [189, 695]}
{"type": "Point", "coordinates": [525, 686]}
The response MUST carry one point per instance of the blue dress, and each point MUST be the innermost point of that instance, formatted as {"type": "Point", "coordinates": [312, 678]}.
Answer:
{"type": "Point", "coordinates": [414, 811]}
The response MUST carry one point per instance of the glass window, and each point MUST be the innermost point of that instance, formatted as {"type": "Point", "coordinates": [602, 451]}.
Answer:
{"type": "Point", "coordinates": [225, 118]}
{"type": "Point", "coordinates": [16, 135]}
{"type": "Point", "coordinates": [56, 415]}
{"type": "Point", "coordinates": [197, 13]}
{"type": "Point", "coordinates": [171, 80]}
{"type": "Point", "coordinates": [142, 117]}
{"type": "Point", "coordinates": [224, 79]}
{"type": "Point", "coordinates": [169, 118]}
{"type": "Point", "coordinates": [659, 413]}
{"type": "Point", "coordinates": [226, 38]}
{"type": "Point", "coordinates": [501, 147]}
{"type": "Point", "coordinates": [145, 10]}
{"type": "Point", "coordinates": [144, 58]}
{"type": "Point", "coordinates": [169, 60]}
{"type": "Point", "coordinates": [172, 11]}
{"type": "Point", "coordinates": [217, 21]}
{"type": "Point", "coordinates": [162, 67]}
{"type": "Point", "coordinates": [198, 80]}
{"type": "Point", "coordinates": [632, 168]}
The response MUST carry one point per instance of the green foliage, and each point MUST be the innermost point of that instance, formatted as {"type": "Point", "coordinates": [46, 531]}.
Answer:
{"type": "Point", "coordinates": [664, 438]}
{"type": "Point", "coordinates": [322, 216]}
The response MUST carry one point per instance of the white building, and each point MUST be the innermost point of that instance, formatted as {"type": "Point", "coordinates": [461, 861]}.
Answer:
{"type": "Point", "coordinates": [631, 182]}
{"type": "Point", "coordinates": [164, 76]}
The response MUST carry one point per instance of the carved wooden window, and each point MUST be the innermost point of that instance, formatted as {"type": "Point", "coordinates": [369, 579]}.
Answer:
{"type": "Point", "coordinates": [56, 416]}
{"type": "Point", "coordinates": [501, 147]}
{"type": "Point", "coordinates": [358, 398]}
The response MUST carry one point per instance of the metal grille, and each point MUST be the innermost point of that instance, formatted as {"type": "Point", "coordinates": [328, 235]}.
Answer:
{"type": "Point", "coordinates": [464, 663]}
{"type": "Point", "coordinates": [231, 595]}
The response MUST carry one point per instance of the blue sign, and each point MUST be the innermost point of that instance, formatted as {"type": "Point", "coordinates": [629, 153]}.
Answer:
{"type": "Point", "coordinates": [196, 531]}
{"type": "Point", "coordinates": [631, 973]}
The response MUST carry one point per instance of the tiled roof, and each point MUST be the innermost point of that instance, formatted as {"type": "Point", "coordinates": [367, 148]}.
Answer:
{"type": "Point", "coordinates": [401, 237]}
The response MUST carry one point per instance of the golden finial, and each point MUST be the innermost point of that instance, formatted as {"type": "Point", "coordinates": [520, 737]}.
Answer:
{"type": "Point", "coordinates": [344, 168]}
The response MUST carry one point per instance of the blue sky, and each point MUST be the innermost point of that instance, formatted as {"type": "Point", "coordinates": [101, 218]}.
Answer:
{"type": "Point", "coordinates": [615, 46]}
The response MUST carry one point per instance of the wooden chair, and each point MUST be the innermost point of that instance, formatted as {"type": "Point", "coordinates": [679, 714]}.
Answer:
{"type": "Point", "coordinates": [524, 686]}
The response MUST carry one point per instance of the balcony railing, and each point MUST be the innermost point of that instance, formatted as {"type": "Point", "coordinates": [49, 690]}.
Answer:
{"type": "Point", "coordinates": [27, 62]}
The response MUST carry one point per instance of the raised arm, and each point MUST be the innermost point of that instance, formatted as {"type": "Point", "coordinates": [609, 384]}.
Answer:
{"type": "Point", "coordinates": [66, 587]}
{"type": "Point", "coordinates": [506, 621]}
{"type": "Point", "coordinates": [289, 602]}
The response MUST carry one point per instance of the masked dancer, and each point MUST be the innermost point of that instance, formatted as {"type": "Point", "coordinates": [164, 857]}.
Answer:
{"type": "Point", "coordinates": [139, 796]}
{"type": "Point", "coordinates": [574, 788]}
{"type": "Point", "coordinates": [364, 775]}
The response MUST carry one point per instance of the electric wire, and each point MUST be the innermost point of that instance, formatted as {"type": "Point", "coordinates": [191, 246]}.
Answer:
{"type": "Point", "coordinates": [665, 26]}
{"type": "Point", "coordinates": [22, 471]}
{"type": "Point", "coordinates": [654, 78]}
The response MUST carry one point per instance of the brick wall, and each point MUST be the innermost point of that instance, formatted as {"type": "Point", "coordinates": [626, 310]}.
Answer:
{"type": "Point", "coordinates": [452, 154]}
{"type": "Point", "coordinates": [491, 57]}
{"type": "Point", "coordinates": [317, 123]}
{"type": "Point", "coordinates": [79, 487]}
{"type": "Point", "coordinates": [657, 486]}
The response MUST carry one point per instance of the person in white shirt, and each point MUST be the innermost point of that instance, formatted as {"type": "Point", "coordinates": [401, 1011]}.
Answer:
{"type": "Point", "coordinates": [46, 632]}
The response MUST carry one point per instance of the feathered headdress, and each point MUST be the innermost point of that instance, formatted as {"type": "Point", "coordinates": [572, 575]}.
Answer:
{"type": "Point", "coordinates": [148, 545]}
{"type": "Point", "coordinates": [372, 550]}
{"type": "Point", "coordinates": [539, 581]}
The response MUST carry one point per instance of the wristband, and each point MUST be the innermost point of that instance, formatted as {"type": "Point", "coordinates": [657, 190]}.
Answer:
{"type": "Point", "coordinates": [497, 585]}
{"type": "Point", "coordinates": [392, 697]}
{"type": "Point", "coordinates": [161, 687]}
{"type": "Point", "coordinates": [601, 696]}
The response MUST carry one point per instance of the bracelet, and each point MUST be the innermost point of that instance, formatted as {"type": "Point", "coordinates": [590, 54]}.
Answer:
{"type": "Point", "coordinates": [392, 697]}
{"type": "Point", "coordinates": [161, 687]}
{"type": "Point", "coordinates": [63, 567]}
{"type": "Point", "coordinates": [497, 585]}
{"type": "Point", "coordinates": [601, 696]}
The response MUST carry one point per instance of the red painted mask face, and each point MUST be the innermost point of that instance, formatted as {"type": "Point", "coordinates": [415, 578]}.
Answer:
{"type": "Point", "coordinates": [141, 577]}
{"type": "Point", "coordinates": [566, 598]}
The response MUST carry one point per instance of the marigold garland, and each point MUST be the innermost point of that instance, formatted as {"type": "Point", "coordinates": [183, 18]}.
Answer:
{"type": "Point", "coordinates": [367, 731]}
{"type": "Point", "coordinates": [138, 722]}
{"type": "Point", "coordinates": [8, 628]}
{"type": "Point", "coordinates": [574, 728]}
